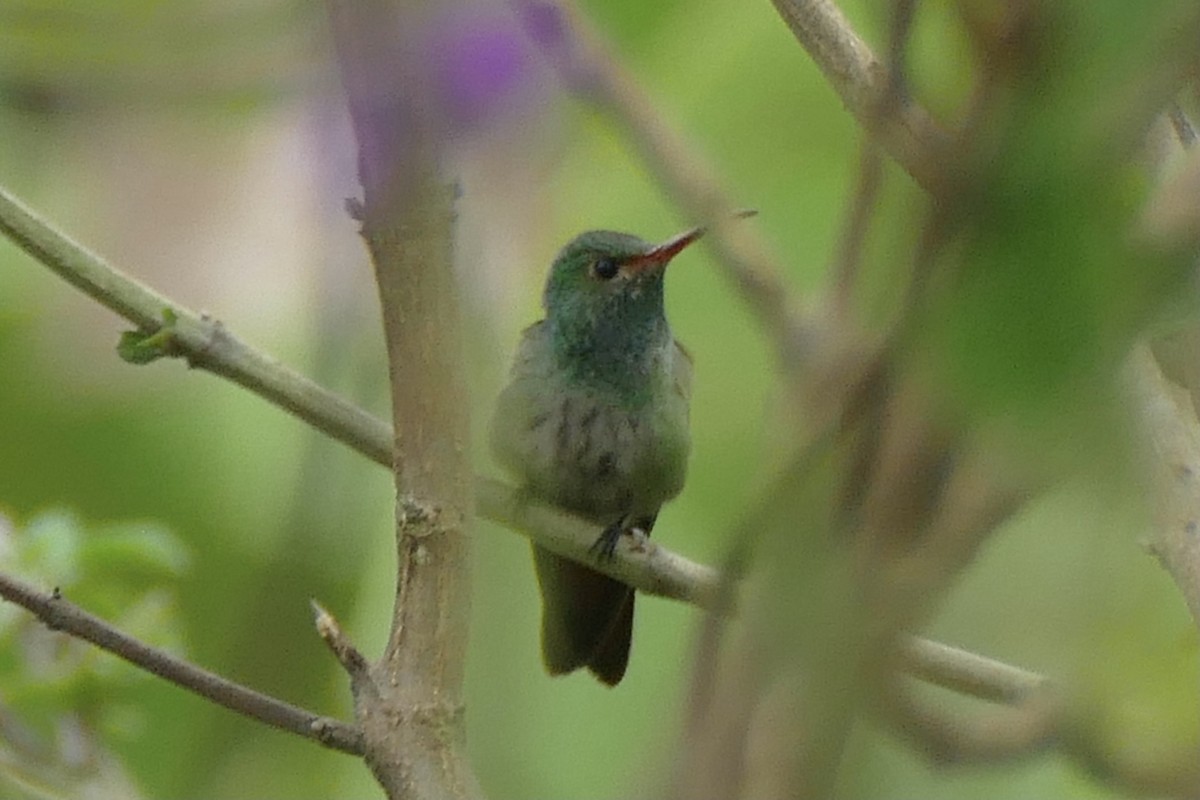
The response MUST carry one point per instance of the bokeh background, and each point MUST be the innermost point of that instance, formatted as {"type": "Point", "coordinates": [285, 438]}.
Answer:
{"type": "Point", "coordinates": [203, 147]}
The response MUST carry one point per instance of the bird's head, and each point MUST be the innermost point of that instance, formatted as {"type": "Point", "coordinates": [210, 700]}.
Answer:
{"type": "Point", "coordinates": [604, 278]}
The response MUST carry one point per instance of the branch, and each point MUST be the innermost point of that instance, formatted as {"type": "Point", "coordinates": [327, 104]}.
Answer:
{"type": "Point", "coordinates": [650, 569]}
{"type": "Point", "coordinates": [411, 705]}
{"type": "Point", "coordinates": [353, 662]}
{"type": "Point", "coordinates": [970, 673]}
{"type": "Point", "coordinates": [1169, 426]}
{"type": "Point", "coordinates": [203, 341]}
{"type": "Point", "coordinates": [1025, 729]}
{"type": "Point", "coordinates": [655, 571]}
{"type": "Point", "coordinates": [59, 615]}
{"type": "Point", "coordinates": [909, 134]}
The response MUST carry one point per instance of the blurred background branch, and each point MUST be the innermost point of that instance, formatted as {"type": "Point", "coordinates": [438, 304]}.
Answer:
{"type": "Point", "coordinates": [926, 484]}
{"type": "Point", "coordinates": [1172, 435]}
{"type": "Point", "coordinates": [910, 135]}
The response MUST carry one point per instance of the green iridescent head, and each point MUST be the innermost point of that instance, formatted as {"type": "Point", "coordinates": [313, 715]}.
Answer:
{"type": "Point", "coordinates": [605, 274]}
{"type": "Point", "coordinates": [604, 304]}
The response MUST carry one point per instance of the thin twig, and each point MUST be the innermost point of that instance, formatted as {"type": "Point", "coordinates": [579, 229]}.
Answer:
{"type": "Point", "coordinates": [330, 630]}
{"type": "Point", "coordinates": [203, 341]}
{"type": "Point", "coordinates": [723, 692]}
{"type": "Point", "coordinates": [848, 258]}
{"type": "Point", "coordinates": [60, 615]}
{"type": "Point", "coordinates": [863, 202]}
{"type": "Point", "coordinates": [655, 571]}
{"type": "Point", "coordinates": [970, 673]}
{"type": "Point", "coordinates": [995, 735]}
{"type": "Point", "coordinates": [736, 563]}
{"type": "Point", "coordinates": [910, 135]}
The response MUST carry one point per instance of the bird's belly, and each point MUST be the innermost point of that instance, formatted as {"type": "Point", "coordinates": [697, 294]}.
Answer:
{"type": "Point", "coordinates": [603, 460]}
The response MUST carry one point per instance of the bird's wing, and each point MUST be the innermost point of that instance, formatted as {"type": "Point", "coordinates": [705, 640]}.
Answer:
{"type": "Point", "coordinates": [530, 349]}
{"type": "Point", "coordinates": [681, 371]}
{"type": "Point", "coordinates": [517, 407]}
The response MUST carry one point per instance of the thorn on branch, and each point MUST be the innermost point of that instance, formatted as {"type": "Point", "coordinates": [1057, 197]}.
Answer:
{"type": "Point", "coordinates": [343, 649]}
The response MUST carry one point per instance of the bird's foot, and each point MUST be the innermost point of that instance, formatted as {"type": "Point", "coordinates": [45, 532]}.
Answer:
{"type": "Point", "coordinates": [638, 531]}
{"type": "Point", "coordinates": [605, 546]}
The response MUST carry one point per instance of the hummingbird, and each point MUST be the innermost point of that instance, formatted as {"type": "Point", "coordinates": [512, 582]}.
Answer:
{"type": "Point", "coordinates": [594, 420]}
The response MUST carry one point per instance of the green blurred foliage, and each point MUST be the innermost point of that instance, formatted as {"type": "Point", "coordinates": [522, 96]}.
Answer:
{"type": "Point", "coordinates": [273, 515]}
{"type": "Point", "coordinates": [1047, 290]}
{"type": "Point", "coordinates": [55, 687]}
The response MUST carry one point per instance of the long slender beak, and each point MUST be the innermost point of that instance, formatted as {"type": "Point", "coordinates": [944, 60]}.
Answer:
{"type": "Point", "coordinates": [661, 254]}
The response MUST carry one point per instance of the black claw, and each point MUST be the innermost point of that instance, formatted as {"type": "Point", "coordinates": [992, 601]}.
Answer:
{"type": "Point", "coordinates": [605, 546]}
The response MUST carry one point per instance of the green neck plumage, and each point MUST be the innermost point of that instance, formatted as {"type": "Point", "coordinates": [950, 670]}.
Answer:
{"type": "Point", "coordinates": [614, 348]}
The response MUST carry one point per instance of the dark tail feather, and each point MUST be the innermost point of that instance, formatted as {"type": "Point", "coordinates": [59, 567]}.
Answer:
{"type": "Point", "coordinates": [609, 661]}
{"type": "Point", "coordinates": [587, 618]}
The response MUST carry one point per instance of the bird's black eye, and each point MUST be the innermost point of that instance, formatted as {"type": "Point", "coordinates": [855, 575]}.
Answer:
{"type": "Point", "coordinates": [605, 268]}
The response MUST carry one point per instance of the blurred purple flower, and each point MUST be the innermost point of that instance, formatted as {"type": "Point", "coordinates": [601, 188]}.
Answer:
{"type": "Point", "coordinates": [544, 22]}
{"type": "Point", "coordinates": [482, 64]}
{"type": "Point", "coordinates": [464, 72]}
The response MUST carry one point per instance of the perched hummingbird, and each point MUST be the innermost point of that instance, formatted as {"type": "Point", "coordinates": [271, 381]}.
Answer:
{"type": "Point", "coordinates": [595, 420]}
